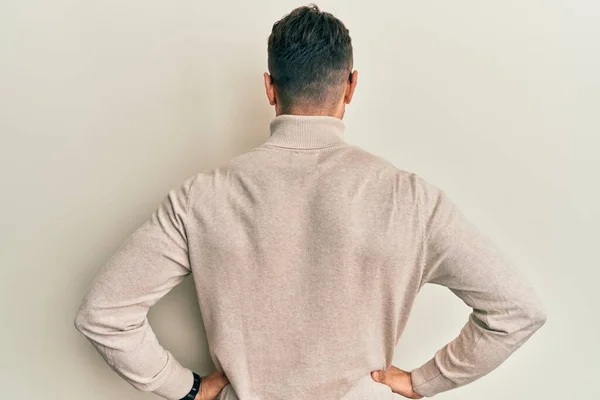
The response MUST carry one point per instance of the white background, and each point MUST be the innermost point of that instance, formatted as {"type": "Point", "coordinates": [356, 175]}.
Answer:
{"type": "Point", "coordinates": [106, 105]}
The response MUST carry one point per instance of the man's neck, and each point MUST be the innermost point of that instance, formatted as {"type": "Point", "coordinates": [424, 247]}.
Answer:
{"type": "Point", "coordinates": [337, 113]}
{"type": "Point", "coordinates": [306, 132]}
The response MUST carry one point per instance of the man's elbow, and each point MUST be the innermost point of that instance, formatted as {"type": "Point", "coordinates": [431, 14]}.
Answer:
{"type": "Point", "coordinates": [99, 323]}
{"type": "Point", "coordinates": [81, 321]}
{"type": "Point", "coordinates": [85, 321]}
{"type": "Point", "coordinates": [520, 325]}
{"type": "Point", "coordinates": [538, 318]}
{"type": "Point", "coordinates": [534, 318]}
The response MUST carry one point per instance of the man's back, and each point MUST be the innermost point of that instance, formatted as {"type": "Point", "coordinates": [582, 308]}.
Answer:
{"type": "Point", "coordinates": [307, 262]}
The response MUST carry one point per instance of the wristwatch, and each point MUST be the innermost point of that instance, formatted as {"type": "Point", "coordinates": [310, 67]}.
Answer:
{"type": "Point", "coordinates": [195, 388]}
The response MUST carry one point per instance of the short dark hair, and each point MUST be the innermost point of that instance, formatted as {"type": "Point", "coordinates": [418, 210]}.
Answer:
{"type": "Point", "coordinates": [309, 56]}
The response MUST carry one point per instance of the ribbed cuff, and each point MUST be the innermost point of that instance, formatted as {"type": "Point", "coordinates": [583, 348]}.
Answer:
{"type": "Point", "coordinates": [427, 380]}
{"type": "Point", "coordinates": [177, 382]}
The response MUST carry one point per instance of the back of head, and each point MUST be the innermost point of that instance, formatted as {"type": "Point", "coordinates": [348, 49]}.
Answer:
{"type": "Point", "coordinates": [310, 59]}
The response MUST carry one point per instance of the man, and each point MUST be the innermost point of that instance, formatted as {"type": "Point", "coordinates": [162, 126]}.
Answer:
{"type": "Point", "coordinates": [307, 254]}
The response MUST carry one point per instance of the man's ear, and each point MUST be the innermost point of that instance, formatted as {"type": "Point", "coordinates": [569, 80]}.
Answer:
{"type": "Point", "coordinates": [270, 89]}
{"type": "Point", "coordinates": [350, 86]}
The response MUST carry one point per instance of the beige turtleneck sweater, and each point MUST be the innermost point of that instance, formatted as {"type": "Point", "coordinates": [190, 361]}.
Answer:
{"type": "Point", "coordinates": [307, 254]}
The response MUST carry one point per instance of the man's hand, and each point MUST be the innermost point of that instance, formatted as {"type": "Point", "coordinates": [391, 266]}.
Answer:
{"type": "Point", "coordinates": [211, 386]}
{"type": "Point", "coordinates": [400, 381]}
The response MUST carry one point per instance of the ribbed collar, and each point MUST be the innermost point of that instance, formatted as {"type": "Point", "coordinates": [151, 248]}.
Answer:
{"type": "Point", "coordinates": [306, 131]}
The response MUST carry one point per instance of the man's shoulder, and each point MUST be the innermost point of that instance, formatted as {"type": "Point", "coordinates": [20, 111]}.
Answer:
{"type": "Point", "coordinates": [405, 180]}
{"type": "Point", "coordinates": [227, 166]}
{"type": "Point", "coordinates": [366, 157]}
{"type": "Point", "coordinates": [211, 178]}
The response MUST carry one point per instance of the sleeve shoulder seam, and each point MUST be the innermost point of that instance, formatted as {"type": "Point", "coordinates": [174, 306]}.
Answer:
{"type": "Point", "coordinates": [421, 254]}
{"type": "Point", "coordinates": [189, 197]}
{"type": "Point", "coordinates": [188, 203]}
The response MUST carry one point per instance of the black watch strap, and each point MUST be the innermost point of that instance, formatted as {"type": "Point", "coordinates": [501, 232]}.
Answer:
{"type": "Point", "coordinates": [195, 388]}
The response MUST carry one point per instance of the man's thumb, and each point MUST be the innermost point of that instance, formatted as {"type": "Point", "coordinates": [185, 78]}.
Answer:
{"type": "Point", "coordinates": [377, 376]}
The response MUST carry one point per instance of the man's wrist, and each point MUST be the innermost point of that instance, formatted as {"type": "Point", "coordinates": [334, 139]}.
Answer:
{"type": "Point", "coordinates": [193, 393]}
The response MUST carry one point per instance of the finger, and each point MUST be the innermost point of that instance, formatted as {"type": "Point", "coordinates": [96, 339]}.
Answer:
{"type": "Point", "coordinates": [223, 380]}
{"type": "Point", "coordinates": [380, 376]}
{"type": "Point", "coordinates": [377, 375]}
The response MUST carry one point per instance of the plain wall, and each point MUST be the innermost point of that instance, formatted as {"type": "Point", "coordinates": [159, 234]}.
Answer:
{"type": "Point", "coordinates": [104, 106]}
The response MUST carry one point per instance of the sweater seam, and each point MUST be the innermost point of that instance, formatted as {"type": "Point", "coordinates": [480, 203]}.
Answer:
{"type": "Point", "coordinates": [187, 212]}
{"type": "Point", "coordinates": [307, 150]}
{"type": "Point", "coordinates": [460, 360]}
{"type": "Point", "coordinates": [421, 253]}
{"type": "Point", "coordinates": [429, 380]}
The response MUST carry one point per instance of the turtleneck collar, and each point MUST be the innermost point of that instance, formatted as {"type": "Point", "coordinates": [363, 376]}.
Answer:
{"type": "Point", "coordinates": [306, 131]}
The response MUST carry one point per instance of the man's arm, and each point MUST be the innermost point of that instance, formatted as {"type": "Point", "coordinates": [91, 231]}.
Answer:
{"type": "Point", "coordinates": [112, 315]}
{"type": "Point", "coordinates": [506, 310]}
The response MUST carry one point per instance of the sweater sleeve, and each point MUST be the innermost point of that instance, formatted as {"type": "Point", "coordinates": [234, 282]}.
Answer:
{"type": "Point", "coordinates": [112, 315]}
{"type": "Point", "coordinates": [505, 309]}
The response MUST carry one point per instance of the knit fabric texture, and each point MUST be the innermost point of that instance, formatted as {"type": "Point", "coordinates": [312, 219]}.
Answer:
{"type": "Point", "coordinates": [307, 254]}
